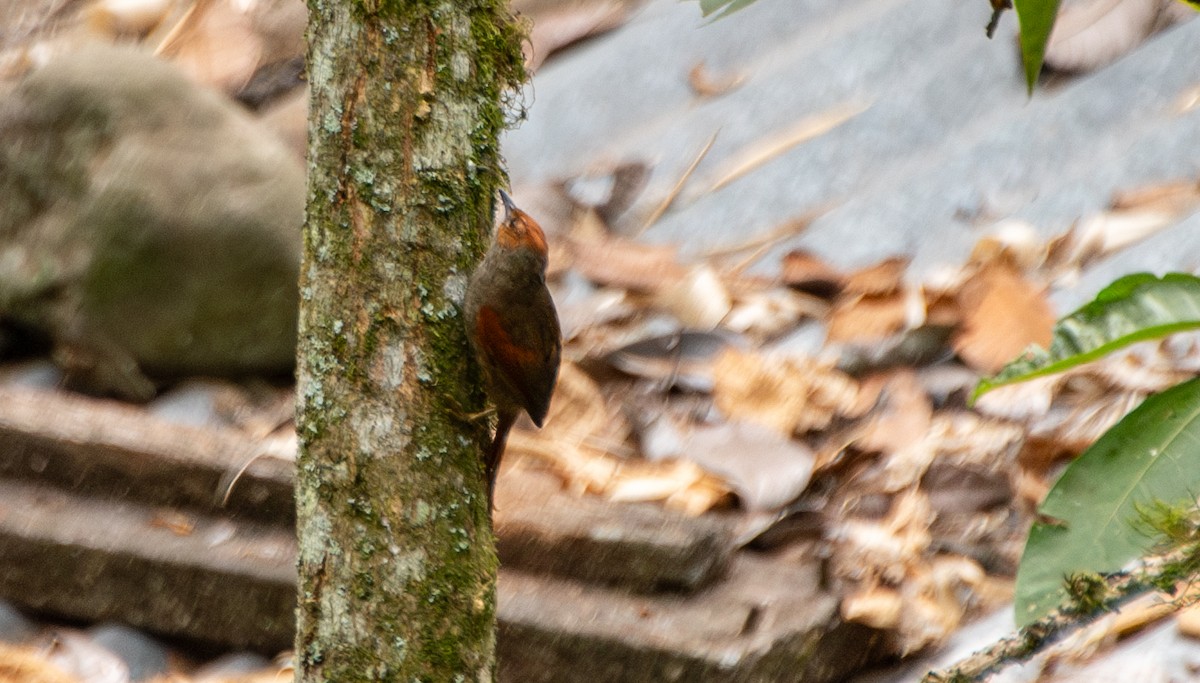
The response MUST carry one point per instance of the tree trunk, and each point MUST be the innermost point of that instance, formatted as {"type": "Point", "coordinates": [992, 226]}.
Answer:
{"type": "Point", "coordinates": [397, 559]}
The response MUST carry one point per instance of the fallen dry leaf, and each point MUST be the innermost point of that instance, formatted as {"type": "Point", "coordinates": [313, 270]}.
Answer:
{"type": "Point", "coordinates": [1090, 34]}
{"type": "Point", "coordinates": [884, 277]}
{"type": "Point", "coordinates": [808, 272]}
{"type": "Point", "coordinates": [954, 438]}
{"type": "Point", "coordinates": [118, 18]}
{"type": "Point", "coordinates": [1067, 412]}
{"type": "Point", "coordinates": [704, 84]}
{"type": "Point", "coordinates": [215, 43]}
{"type": "Point", "coordinates": [1188, 100]}
{"type": "Point", "coordinates": [698, 300]}
{"type": "Point", "coordinates": [28, 665]}
{"type": "Point", "coordinates": [654, 483]}
{"type": "Point", "coordinates": [934, 610]}
{"type": "Point", "coordinates": [89, 662]}
{"type": "Point", "coordinates": [1106, 233]}
{"type": "Point", "coordinates": [584, 308]}
{"type": "Point", "coordinates": [941, 307]}
{"type": "Point", "coordinates": [1189, 621]}
{"type": "Point", "coordinates": [1003, 314]}
{"type": "Point", "coordinates": [1076, 421]}
{"type": "Point", "coordinates": [1027, 400]}
{"type": "Point", "coordinates": [1031, 490]}
{"type": "Point", "coordinates": [767, 313]}
{"type": "Point", "coordinates": [583, 469]}
{"type": "Point", "coordinates": [886, 549]}
{"type": "Point", "coordinates": [752, 249]}
{"type": "Point", "coordinates": [679, 484]}
{"type": "Point", "coordinates": [1014, 241]}
{"type": "Point", "coordinates": [902, 417]}
{"type": "Point", "coordinates": [966, 438]}
{"type": "Point", "coordinates": [578, 420]}
{"type": "Point", "coordinates": [1060, 251]}
{"type": "Point", "coordinates": [955, 489]}
{"type": "Point", "coordinates": [918, 347]}
{"type": "Point", "coordinates": [280, 26]}
{"type": "Point", "coordinates": [178, 523]}
{"type": "Point", "coordinates": [1175, 197]}
{"type": "Point", "coordinates": [617, 262]}
{"type": "Point", "coordinates": [876, 606]}
{"type": "Point", "coordinates": [790, 395]}
{"type": "Point", "coordinates": [608, 190]}
{"type": "Point", "coordinates": [764, 469]}
{"type": "Point", "coordinates": [684, 359]}
{"type": "Point", "coordinates": [865, 319]}
{"type": "Point", "coordinates": [914, 599]}
{"type": "Point", "coordinates": [1133, 216]}
{"type": "Point", "coordinates": [1149, 367]}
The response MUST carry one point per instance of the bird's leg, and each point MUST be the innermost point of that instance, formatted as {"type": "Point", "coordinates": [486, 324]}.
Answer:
{"type": "Point", "coordinates": [491, 462]}
{"type": "Point", "coordinates": [460, 413]}
{"type": "Point", "coordinates": [475, 417]}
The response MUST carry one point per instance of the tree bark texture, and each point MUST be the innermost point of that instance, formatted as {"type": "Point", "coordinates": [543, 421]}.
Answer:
{"type": "Point", "coordinates": [397, 560]}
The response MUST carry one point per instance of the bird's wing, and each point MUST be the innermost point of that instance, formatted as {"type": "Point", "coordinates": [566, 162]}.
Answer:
{"type": "Point", "coordinates": [529, 366]}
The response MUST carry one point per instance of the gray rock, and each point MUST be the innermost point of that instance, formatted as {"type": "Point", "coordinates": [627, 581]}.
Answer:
{"type": "Point", "coordinates": [35, 373]}
{"type": "Point", "coordinates": [190, 403]}
{"type": "Point", "coordinates": [637, 547]}
{"type": "Point", "coordinates": [14, 626]}
{"type": "Point", "coordinates": [768, 620]}
{"type": "Point", "coordinates": [946, 143]}
{"type": "Point", "coordinates": [232, 664]}
{"type": "Point", "coordinates": [145, 656]}
{"type": "Point", "coordinates": [147, 226]}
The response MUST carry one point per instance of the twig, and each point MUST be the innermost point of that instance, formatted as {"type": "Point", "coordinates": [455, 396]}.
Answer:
{"type": "Point", "coordinates": [806, 129]}
{"type": "Point", "coordinates": [998, 7]}
{"type": "Point", "coordinates": [760, 244]}
{"type": "Point", "coordinates": [194, 12]}
{"type": "Point", "coordinates": [238, 475]}
{"type": "Point", "coordinates": [674, 193]}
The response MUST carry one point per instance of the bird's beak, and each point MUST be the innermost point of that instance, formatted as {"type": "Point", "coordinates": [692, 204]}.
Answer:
{"type": "Point", "coordinates": [509, 206]}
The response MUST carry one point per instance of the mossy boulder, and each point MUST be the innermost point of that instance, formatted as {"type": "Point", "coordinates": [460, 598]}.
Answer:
{"type": "Point", "coordinates": [148, 227]}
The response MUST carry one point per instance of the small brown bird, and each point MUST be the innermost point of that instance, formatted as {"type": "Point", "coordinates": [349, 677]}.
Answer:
{"type": "Point", "coordinates": [513, 328]}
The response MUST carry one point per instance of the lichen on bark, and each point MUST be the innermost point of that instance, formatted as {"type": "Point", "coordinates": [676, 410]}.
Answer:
{"type": "Point", "coordinates": [397, 559]}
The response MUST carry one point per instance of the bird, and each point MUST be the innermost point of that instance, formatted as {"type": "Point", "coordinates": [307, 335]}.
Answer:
{"type": "Point", "coordinates": [513, 328]}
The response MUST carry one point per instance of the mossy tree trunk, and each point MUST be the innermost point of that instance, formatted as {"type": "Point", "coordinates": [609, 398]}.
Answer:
{"type": "Point", "coordinates": [397, 560]}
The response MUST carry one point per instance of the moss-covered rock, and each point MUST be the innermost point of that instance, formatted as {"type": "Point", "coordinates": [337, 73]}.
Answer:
{"type": "Point", "coordinates": [147, 226]}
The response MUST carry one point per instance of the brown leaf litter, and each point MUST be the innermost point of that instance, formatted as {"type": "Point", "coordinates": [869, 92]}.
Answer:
{"type": "Point", "coordinates": [920, 499]}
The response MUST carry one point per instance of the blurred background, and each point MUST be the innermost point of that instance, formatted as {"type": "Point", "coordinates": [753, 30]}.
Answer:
{"type": "Point", "coordinates": [786, 241]}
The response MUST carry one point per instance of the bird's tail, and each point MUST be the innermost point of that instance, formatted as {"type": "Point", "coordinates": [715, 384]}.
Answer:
{"type": "Point", "coordinates": [491, 463]}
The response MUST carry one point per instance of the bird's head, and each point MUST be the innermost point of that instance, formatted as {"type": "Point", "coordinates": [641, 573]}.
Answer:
{"type": "Point", "coordinates": [518, 230]}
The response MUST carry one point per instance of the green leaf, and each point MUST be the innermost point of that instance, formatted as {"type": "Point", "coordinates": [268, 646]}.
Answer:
{"type": "Point", "coordinates": [1036, 19]}
{"type": "Point", "coordinates": [726, 7]}
{"type": "Point", "coordinates": [1132, 309]}
{"type": "Point", "coordinates": [1194, 4]}
{"type": "Point", "coordinates": [1150, 455]}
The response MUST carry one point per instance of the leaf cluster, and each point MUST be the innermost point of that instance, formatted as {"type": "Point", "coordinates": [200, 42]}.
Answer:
{"type": "Point", "coordinates": [1110, 505]}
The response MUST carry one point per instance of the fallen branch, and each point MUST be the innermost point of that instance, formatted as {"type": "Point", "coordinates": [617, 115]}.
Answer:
{"type": "Point", "coordinates": [1093, 598]}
